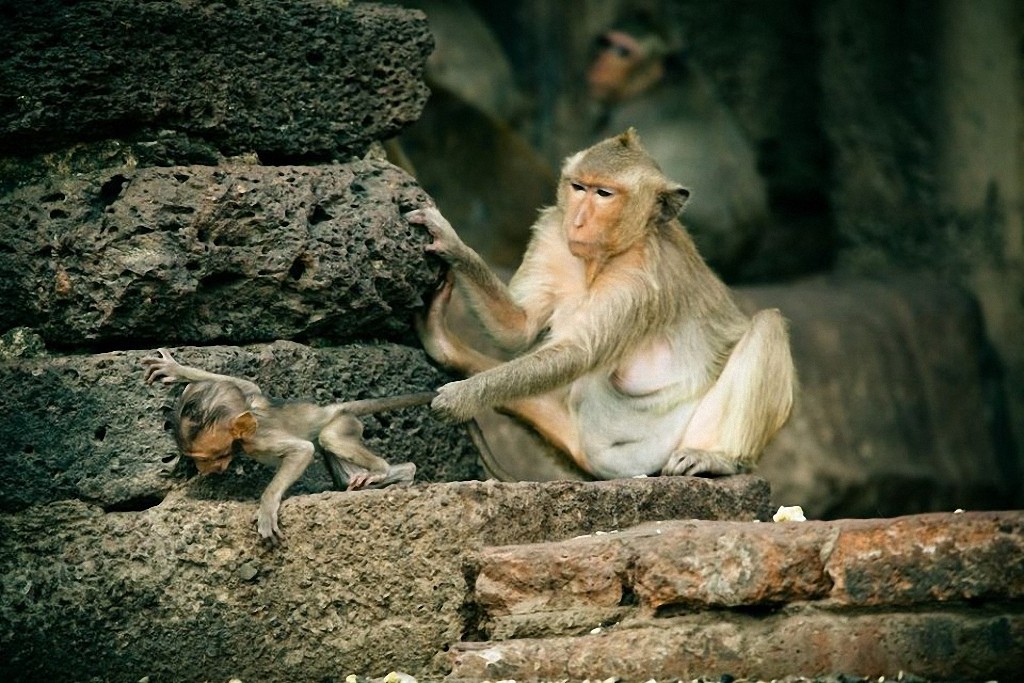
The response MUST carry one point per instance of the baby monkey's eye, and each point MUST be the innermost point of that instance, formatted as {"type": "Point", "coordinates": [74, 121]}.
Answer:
{"type": "Point", "coordinates": [578, 187]}
{"type": "Point", "coordinates": [604, 192]}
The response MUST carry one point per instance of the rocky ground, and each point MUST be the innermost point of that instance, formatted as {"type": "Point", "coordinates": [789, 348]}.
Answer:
{"type": "Point", "coordinates": [900, 677]}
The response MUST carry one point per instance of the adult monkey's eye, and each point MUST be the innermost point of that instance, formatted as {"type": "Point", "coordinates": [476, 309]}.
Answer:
{"type": "Point", "coordinates": [604, 192]}
{"type": "Point", "coordinates": [578, 187]}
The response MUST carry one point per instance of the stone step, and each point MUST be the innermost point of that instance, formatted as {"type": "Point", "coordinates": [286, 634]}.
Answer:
{"type": "Point", "coordinates": [339, 78]}
{"type": "Point", "coordinates": [683, 598]}
{"type": "Point", "coordinates": [979, 645]}
{"type": "Point", "coordinates": [712, 565]}
{"type": "Point", "coordinates": [366, 581]}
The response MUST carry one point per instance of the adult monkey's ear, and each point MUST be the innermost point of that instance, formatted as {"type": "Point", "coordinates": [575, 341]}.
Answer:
{"type": "Point", "coordinates": [244, 426]}
{"type": "Point", "coordinates": [630, 138]}
{"type": "Point", "coordinates": [671, 201]}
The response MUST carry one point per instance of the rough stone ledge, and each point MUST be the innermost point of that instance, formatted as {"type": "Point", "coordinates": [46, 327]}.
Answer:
{"type": "Point", "coordinates": [289, 80]}
{"type": "Point", "coordinates": [238, 253]}
{"type": "Point", "coordinates": [978, 644]}
{"type": "Point", "coordinates": [365, 582]}
{"type": "Point", "coordinates": [667, 566]}
{"type": "Point", "coordinates": [89, 427]}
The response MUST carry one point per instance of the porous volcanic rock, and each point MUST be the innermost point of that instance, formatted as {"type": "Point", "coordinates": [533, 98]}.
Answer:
{"type": "Point", "coordinates": [197, 254]}
{"type": "Point", "coordinates": [365, 582]}
{"type": "Point", "coordinates": [88, 427]}
{"type": "Point", "coordinates": [291, 81]}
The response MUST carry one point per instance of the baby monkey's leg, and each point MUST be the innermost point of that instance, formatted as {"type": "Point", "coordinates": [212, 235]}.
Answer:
{"type": "Point", "coordinates": [358, 478]}
{"type": "Point", "coordinates": [351, 464]}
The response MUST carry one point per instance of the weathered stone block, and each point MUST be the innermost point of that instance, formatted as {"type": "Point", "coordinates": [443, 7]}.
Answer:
{"type": "Point", "coordinates": [577, 574]}
{"type": "Point", "coordinates": [667, 567]}
{"type": "Point", "coordinates": [198, 254]}
{"type": "Point", "coordinates": [672, 564]}
{"type": "Point", "coordinates": [714, 565]}
{"type": "Point", "coordinates": [88, 427]}
{"type": "Point", "coordinates": [365, 582]}
{"type": "Point", "coordinates": [289, 80]}
{"type": "Point", "coordinates": [973, 645]}
{"type": "Point", "coordinates": [928, 559]}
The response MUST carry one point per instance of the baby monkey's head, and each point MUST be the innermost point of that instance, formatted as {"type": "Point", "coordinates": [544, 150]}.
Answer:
{"type": "Point", "coordinates": [209, 420]}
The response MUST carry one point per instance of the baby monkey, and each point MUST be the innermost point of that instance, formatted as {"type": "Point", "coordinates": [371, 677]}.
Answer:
{"type": "Point", "coordinates": [216, 416]}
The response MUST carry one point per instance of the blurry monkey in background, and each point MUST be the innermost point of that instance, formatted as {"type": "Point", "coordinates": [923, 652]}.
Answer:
{"type": "Point", "coordinates": [640, 77]}
{"type": "Point", "coordinates": [217, 416]}
{"type": "Point", "coordinates": [629, 59]}
{"type": "Point", "coordinates": [627, 352]}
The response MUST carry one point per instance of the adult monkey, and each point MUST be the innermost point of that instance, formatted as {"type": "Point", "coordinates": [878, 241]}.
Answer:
{"type": "Point", "coordinates": [629, 354]}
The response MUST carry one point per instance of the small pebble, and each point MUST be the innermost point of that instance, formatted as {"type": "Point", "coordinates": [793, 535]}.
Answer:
{"type": "Point", "coordinates": [248, 571]}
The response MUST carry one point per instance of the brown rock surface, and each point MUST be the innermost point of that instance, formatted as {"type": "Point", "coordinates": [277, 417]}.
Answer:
{"type": "Point", "coordinates": [929, 559]}
{"type": "Point", "coordinates": [88, 427]}
{"type": "Point", "coordinates": [366, 582]}
{"type": "Point", "coordinates": [290, 81]}
{"type": "Point", "coordinates": [197, 254]}
{"type": "Point", "coordinates": [982, 645]}
{"type": "Point", "coordinates": [940, 557]}
{"type": "Point", "coordinates": [938, 595]}
{"type": "Point", "coordinates": [658, 565]}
